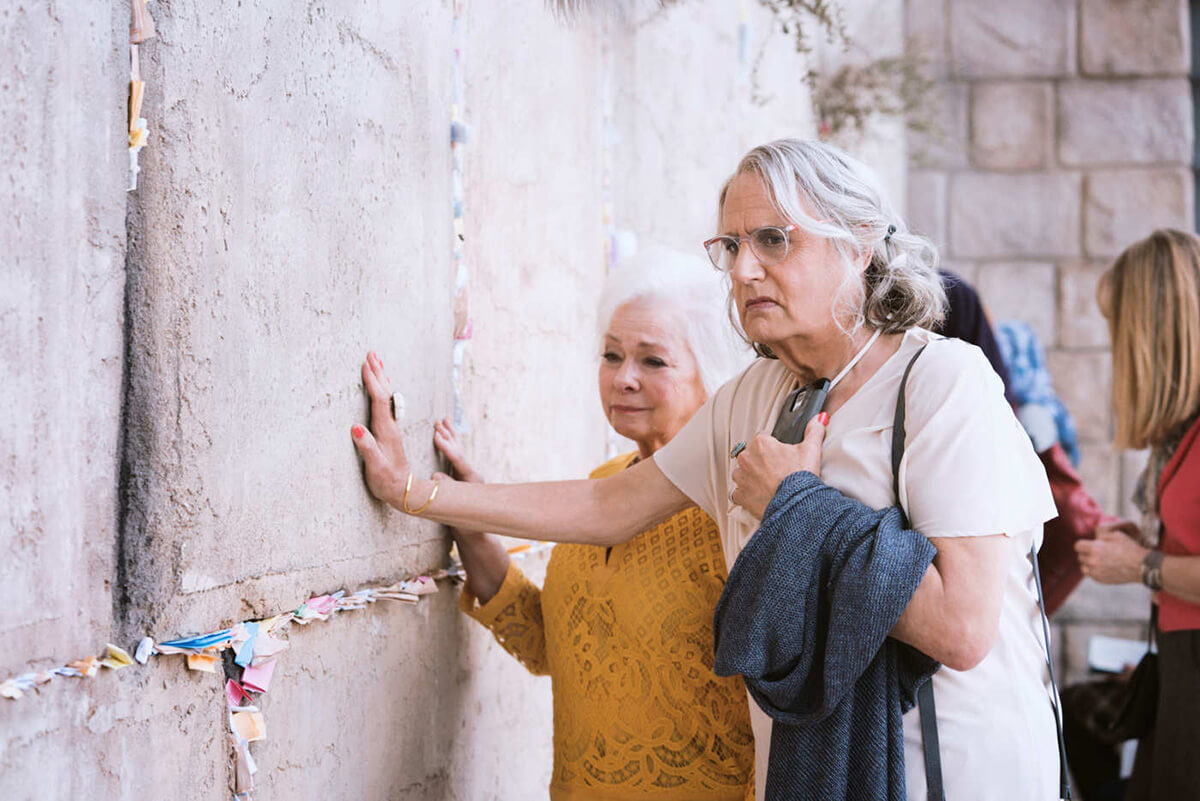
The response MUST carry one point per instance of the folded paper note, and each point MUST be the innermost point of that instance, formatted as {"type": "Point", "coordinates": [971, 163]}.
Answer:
{"type": "Point", "coordinates": [258, 677]}
{"type": "Point", "coordinates": [235, 694]}
{"type": "Point", "coordinates": [86, 667]}
{"type": "Point", "coordinates": [249, 725]}
{"type": "Point", "coordinates": [245, 651]}
{"type": "Point", "coordinates": [115, 658]}
{"type": "Point", "coordinates": [144, 649]}
{"type": "Point", "coordinates": [203, 662]}
{"type": "Point", "coordinates": [199, 642]}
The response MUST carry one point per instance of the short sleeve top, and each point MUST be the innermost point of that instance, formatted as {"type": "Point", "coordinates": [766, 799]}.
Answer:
{"type": "Point", "coordinates": [968, 469]}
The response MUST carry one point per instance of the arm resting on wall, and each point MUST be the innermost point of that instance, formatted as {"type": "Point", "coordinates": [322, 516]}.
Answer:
{"type": "Point", "coordinates": [605, 511]}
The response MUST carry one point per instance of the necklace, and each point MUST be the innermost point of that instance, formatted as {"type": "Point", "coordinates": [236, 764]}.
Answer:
{"type": "Point", "coordinates": [857, 358]}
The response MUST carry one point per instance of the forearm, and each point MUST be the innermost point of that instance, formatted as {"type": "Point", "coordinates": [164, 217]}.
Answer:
{"type": "Point", "coordinates": [954, 615]}
{"type": "Point", "coordinates": [605, 511]}
{"type": "Point", "coordinates": [1181, 577]}
{"type": "Point", "coordinates": [485, 561]}
{"type": "Point", "coordinates": [928, 623]}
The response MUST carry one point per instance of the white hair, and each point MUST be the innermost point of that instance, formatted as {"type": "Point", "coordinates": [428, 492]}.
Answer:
{"type": "Point", "coordinates": [900, 288]}
{"type": "Point", "coordinates": [690, 289]}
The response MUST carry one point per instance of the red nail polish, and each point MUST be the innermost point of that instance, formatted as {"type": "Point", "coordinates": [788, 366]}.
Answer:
{"type": "Point", "coordinates": [824, 418]}
{"type": "Point", "coordinates": [358, 432]}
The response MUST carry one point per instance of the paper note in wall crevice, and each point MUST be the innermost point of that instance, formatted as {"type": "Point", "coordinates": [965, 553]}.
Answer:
{"type": "Point", "coordinates": [257, 678]}
{"type": "Point", "coordinates": [249, 725]}
{"type": "Point", "coordinates": [202, 662]}
{"type": "Point", "coordinates": [115, 658]}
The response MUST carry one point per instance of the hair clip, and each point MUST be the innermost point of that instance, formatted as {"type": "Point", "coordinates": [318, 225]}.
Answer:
{"type": "Point", "coordinates": [891, 230]}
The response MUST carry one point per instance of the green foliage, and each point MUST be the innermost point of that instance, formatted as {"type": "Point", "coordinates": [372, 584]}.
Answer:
{"type": "Point", "coordinates": [844, 101]}
{"type": "Point", "coordinates": [898, 86]}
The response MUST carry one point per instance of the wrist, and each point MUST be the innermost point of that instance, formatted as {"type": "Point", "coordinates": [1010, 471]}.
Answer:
{"type": "Point", "coordinates": [1152, 570]}
{"type": "Point", "coordinates": [419, 494]}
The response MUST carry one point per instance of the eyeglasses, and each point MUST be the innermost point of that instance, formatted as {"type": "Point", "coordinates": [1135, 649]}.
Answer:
{"type": "Point", "coordinates": [768, 244]}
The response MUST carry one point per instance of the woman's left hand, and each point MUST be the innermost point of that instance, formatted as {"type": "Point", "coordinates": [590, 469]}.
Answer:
{"type": "Point", "coordinates": [766, 462]}
{"type": "Point", "coordinates": [1111, 558]}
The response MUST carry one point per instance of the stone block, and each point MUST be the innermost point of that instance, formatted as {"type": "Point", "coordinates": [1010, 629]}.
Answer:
{"type": "Point", "coordinates": [945, 146]}
{"type": "Point", "coordinates": [1099, 468]}
{"type": "Point", "coordinates": [1012, 125]}
{"type": "Point", "coordinates": [1034, 215]}
{"type": "Point", "coordinates": [1017, 39]}
{"type": "Point", "coordinates": [1075, 638]}
{"type": "Point", "coordinates": [926, 207]}
{"type": "Point", "coordinates": [1021, 291]}
{"type": "Point", "coordinates": [1125, 122]}
{"type": "Point", "coordinates": [1083, 380]}
{"type": "Point", "coordinates": [1106, 603]}
{"type": "Point", "coordinates": [1080, 323]}
{"type": "Point", "coordinates": [925, 34]}
{"type": "Point", "coordinates": [1123, 206]}
{"type": "Point", "coordinates": [966, 270]}
{"type": "Point", "coordinates": [1146, 37]}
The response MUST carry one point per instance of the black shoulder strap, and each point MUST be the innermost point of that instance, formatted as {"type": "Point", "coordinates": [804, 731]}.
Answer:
{"type": "Point", "coordinates": [935, 789]}
{"type": "Point", "coordinates": [898, 435]}
{"type": "Point", "coordinates": [1064, 781]}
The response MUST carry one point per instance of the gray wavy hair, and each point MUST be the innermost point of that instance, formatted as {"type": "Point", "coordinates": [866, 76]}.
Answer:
{"type": "Point", "coordinates": [901, 288]}
{"type": "Point", "coordinates": [686, 287]}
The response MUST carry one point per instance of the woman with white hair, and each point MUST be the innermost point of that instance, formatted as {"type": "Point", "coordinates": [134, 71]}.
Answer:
{"type": "Point", "coordinates": [624, 632]}
{"type": "Point", "coordinates": [827, 283]}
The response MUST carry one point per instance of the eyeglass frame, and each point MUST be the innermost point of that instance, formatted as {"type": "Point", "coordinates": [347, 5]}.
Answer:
{"type": "Point", "coordinates": [785, 230]}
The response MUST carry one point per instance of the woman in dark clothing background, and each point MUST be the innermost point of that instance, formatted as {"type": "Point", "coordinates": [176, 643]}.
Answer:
{"type": "Point", "coordinates": [1078, 513]}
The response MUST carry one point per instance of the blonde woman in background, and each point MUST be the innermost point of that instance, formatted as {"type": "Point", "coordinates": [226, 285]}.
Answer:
{"type": "Point", "coordinates": [1151, 298]}
{"type": "Point", "coordinates": [625, 632]}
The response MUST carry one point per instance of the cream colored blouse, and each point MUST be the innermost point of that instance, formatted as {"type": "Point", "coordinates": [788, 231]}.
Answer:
{"type": "Point", "coordinates": [968, 470]}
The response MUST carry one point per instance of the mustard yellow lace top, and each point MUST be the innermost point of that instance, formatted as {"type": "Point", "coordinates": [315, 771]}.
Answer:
{"type": "Point", "coordinates": [628, 644]}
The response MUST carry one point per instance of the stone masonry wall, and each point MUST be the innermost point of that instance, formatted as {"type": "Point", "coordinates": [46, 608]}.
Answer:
{"type": "Point", "coordinates": [180, 363]}
{"type": "Point", "coordinates": [1067, 134]}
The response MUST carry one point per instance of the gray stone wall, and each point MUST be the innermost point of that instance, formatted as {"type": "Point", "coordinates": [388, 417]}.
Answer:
{"type": "Point", "coordinates": [1066, 134]}
{"type": "Point", "coordinates": [180, 364]}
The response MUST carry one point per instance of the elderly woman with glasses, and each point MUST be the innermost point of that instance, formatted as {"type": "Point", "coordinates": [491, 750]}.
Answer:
{"type": "Point", "coordinates": [826, 283]}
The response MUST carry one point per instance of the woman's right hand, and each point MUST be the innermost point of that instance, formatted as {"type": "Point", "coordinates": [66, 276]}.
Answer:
{"type": "Point", "coordinates": [445, 438]}
{"type": "Point", "coordinates": [382, 447]}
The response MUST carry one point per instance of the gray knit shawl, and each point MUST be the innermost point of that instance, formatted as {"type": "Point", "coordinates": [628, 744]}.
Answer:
{"type": "Point", "coordinates": [804, 618]}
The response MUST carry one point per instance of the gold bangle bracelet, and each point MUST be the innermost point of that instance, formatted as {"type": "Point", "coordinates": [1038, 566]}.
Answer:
{"type": "Point", "coordinates": [408, 489]}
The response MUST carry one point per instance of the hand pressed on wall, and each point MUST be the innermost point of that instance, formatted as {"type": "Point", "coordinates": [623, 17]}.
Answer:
{"type": "Point", "coordinates": [445, 438]}
{"type": "Point", "coordinates": [382, 447]}
{"type": "Point", "coordinates": [766, 461]}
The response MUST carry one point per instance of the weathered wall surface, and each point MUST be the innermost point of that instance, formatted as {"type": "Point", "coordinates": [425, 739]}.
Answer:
{"type": "Point", "coordinates": [1067, 134]}
{"type": "Point", "coordinates": [62, 259]}
{"type": "Point", "coordinates": [181, 363]}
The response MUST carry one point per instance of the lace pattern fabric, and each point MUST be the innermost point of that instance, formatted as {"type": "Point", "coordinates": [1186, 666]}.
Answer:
{"type": "Point", "coordinates": [626, 637]}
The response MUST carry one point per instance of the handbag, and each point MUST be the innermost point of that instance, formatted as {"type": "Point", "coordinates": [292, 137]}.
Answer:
{"type": "Point", "coordinates": [1135, 717]}
{"type": "Point", "coordinates": [934, 787]}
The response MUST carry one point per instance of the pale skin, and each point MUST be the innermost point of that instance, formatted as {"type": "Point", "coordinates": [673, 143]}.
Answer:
{"type": "Point", "coordinates": [1115, 557]}
{"type": "Point", "coordinates": [954, 614]}
{"type": "Point", "coordinates": [649, 385]}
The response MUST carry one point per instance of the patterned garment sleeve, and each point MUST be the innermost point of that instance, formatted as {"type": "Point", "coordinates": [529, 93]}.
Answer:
{"type": "Point", "coordinates": [514, 616]}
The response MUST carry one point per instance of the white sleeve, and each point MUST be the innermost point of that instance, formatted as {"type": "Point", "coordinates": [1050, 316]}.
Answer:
{"type": "Point", "coordinates": [689, 459]}
{"type": "Point", "coordinates": [969, 468]}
